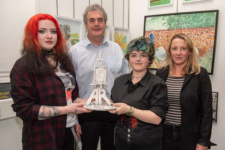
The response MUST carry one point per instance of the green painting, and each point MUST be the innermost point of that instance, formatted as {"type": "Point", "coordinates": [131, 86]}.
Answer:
{"type": "Point", "coordinates": [186, 1]}
{"type": "Point", "coordinates": [200, 26]}
{"type": "Point", "coordinates": [154, 3]}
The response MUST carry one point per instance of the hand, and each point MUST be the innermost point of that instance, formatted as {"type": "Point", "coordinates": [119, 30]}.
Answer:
{"type": "Point", "coordinates": [79, 100]}
{"type": "Point", "coordinates": [78, 130]}
{"type": "Point", "coordinates": [201, 147]}
{"type": "Point", "coordinates": [77, 108]}
{"type": "Point", "coordinates": [122, 108]}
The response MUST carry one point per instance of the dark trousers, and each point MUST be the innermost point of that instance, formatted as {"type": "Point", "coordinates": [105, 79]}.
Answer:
{"type": "Point", "coordinates": [147, 137]}
{"type": "Point", "coordinates": [91, 131]}
{"type": "Point", "coordinates": [69, 140]}
{"type": "Point", "coordinates": [171, 137]}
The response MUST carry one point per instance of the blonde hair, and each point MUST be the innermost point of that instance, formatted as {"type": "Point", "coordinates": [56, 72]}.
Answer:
{"type": "Point", "coordinates": [192, 65]}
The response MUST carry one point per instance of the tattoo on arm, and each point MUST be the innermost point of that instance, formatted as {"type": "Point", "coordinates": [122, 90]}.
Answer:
{"type": "Point", "coordinates": [49, 112]}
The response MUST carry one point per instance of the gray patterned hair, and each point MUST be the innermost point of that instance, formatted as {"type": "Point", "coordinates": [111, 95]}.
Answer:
{"type": "Point", "coordinates": [94, 7]}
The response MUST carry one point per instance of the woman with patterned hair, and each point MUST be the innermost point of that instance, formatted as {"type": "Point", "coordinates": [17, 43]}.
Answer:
{"type": "Point", "coordinates": [141, 101]}
{"type": "Point", "coordinates": [188, 121]}
{"type": "Point", "coordinates": [43, 87]}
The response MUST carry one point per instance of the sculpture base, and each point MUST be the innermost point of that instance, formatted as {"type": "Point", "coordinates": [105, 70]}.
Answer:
{"type": "Point", "coordinates": [99, 107]}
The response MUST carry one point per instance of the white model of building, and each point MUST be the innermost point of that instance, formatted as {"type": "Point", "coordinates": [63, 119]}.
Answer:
{"type": "Point", "coordinates": [98, 99]}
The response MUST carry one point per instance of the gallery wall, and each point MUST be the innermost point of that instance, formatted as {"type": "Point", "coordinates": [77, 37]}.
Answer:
{"type": "Point", "coordinates": [139, 9]}
{"type": "Point", "coordinates": [14, 15]}
{"type": "Point", "coordinates": [122, 13]}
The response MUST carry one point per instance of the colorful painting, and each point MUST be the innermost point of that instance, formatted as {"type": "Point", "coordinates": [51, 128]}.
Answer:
{"type": "Point", "coordinates": [155, 3]}
{"type": "Point", "coordinates": [121, 36]}
{"type": "Point", "coordinates": [200, 26]}
{"type": "Point", "coordinates": [71, 29]}
{"type": "Point", "coordinates": [187, 1]}
{"type": "Point", "coordinates": [5, 91]}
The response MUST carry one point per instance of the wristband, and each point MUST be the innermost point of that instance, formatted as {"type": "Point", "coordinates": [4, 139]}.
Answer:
{"type": "Point", "coordinates": [130, 111]}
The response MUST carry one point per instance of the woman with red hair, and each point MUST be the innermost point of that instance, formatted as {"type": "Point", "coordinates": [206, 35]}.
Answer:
{"type": "Point", "coordinates": [44, 89]}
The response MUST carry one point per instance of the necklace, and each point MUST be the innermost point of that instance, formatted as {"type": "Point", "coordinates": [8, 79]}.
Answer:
{"type": "Point", "coordinates": [47, 53]}
{"type": "Point", "coordinates": [133, 77]}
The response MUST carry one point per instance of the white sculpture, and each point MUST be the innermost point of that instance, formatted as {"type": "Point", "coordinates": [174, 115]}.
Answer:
{"type": "Point", "coordinates": [98, 99]}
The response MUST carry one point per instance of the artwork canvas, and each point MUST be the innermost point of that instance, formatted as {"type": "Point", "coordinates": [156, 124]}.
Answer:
{"type": "Point", "coordinates": [5, 91]}
{"type": "Point", "coordinates": [187, 1]}
{"type": "Point", "coordinates": [214, 105]}
{"type": "Point", "coordinates": [200, 26]}
{"type": "Point", "coordinates": [72, 29]}
{"type": "Point", "coordinates": [156, 3]}
{"type": "Point", "coordinates": [121, 36]}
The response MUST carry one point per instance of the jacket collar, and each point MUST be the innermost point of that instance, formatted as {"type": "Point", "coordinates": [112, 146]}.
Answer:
{"type": "Point", "coordinates": [165, 74]}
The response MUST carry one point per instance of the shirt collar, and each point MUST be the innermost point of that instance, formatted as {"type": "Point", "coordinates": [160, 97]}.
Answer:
{"type": "Point", "coordinates": [143, 80]}
{"type": "Point", "coordinates": [88, 42]}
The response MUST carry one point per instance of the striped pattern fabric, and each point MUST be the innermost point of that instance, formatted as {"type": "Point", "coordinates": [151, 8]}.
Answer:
{"type": "Point", "coordinates": [174, 85]}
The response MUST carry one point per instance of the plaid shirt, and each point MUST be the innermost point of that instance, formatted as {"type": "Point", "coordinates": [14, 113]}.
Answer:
{"type": "Point", "coordinates": [29, 93]}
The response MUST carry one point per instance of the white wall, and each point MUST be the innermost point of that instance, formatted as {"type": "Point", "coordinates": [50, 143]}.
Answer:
{"type": "Point", "coordinates": [139, 9]}
{"type": "Point", "coordinates": [13, 15]}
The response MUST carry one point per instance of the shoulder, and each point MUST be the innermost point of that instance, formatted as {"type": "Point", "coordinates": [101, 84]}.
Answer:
{"type": "Point", "coordinates": [113, 44]}
{"type": "Point", "coordinates": [18, 63]}
{"type": "Point", "coordinates": [203, 71]}
{"type": "Point", "coordinates": [156, 80]}
{"type": "Point", "coordinates": [78, 45]}
{"type": "Point", "coordinates": [162, 71]}
{"type": "Point", "coordinates": [122, 78]}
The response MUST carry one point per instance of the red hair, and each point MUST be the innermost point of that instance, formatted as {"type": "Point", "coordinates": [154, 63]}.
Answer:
{"type": "Point", "coordinates": [34, 61]}
{"type": "Point", "coordinates": [30, 42]}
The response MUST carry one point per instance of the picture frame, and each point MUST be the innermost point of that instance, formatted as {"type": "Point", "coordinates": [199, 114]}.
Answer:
{"type": "Point", "coordinates": [215, 105]}
{"type": "Point", "coordinates": [121, 36]}
{"type": "Point", "coordinates": [200, 26]}
{"type": "Point", "coordinates": [189, 1]}
{"type": "Point", "coordinates": [5, 88]}
{"type": "Point", "coordinates": [72, 29]}
{"type": "Point", "coordinates": [159, 3]}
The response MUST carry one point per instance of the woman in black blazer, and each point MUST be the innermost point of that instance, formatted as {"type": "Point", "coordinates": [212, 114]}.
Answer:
{"type": "Point", "coordinates": [188, 121]}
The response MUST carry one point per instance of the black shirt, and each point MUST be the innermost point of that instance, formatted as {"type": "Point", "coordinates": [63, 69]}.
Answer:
{"type": "Point", "coordinates": [150, 93]}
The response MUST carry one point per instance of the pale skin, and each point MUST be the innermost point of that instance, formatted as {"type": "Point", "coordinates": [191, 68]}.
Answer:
{"type": "Point", "coordinates": [47, 38]}
{"type": "Point", "coordinates": [95, 27]}
{"type": "Point", "coordinates": [139, 62]}
{"type": "Point", "coordinates": [180, 53]}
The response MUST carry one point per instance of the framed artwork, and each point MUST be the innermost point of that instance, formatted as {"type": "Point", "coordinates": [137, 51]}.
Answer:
{"type": "Point", "coordinates": [200, 26]}
{"type": "Point", "coordinates": [187, 1]}
{"type": "Point", "coordinates": [121, 36]}
{"type": "Point", "coordinates": [72, 29]}
{"type": "Point", "coordinates": [5, 90]}
{"type": "Point", "coordinates": [157, 3]}
{"type": "Point", "coordinates": [214, 105]}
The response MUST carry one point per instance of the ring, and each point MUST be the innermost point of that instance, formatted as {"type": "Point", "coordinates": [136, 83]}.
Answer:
{"type": "Point", "coordinates": [116, 111]}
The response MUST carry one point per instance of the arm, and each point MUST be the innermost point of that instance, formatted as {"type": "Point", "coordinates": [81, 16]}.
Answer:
{"type": "Point", "coordinates": [143, 115]}
{"type": "Point", "coordinates": [47, 112]}
{"type": "Point", "coordinates": [206, 107]}
{"type": "Point", "coordinates": [157, 99]}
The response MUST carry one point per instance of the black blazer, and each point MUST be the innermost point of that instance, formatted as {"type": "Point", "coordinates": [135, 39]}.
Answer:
{"type": "Point", "coordinates": [196, 108]}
